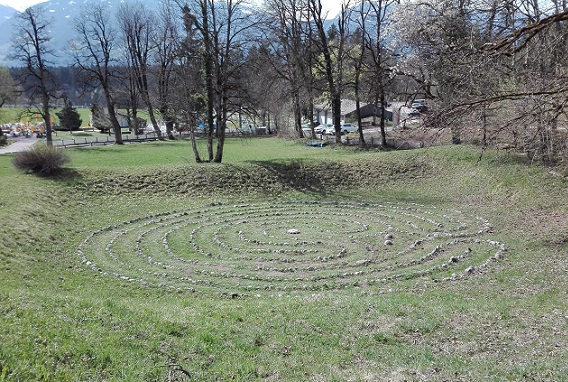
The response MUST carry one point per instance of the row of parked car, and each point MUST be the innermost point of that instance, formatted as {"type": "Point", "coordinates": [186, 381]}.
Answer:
{"type": "Point", "coordinates": [418, 107]}
{"type": "Point", "coordinates": [329, 129]}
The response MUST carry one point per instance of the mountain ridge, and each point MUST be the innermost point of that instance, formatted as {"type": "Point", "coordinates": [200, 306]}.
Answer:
{"type": "Point", "coordinates": [62, 15]}
{"type": "Point", "coordinates": [7, 12]}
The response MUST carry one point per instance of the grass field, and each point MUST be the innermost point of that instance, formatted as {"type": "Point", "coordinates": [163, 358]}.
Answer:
{"type": "Point", "coordinates": [15, 115]}
{"type": "Point", "coordinates": [285, 263]}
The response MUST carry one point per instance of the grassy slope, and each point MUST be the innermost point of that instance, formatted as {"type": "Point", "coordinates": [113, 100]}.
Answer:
{"type": "Point", "coordinates": [61, 322]}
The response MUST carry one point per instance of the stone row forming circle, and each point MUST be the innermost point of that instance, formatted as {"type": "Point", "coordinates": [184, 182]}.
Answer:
{"type": "Point", "coordinates": [284, 247]}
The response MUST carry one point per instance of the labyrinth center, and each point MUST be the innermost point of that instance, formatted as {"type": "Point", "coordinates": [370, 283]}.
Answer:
{"type": "Point", "coordinates": [266, 247]}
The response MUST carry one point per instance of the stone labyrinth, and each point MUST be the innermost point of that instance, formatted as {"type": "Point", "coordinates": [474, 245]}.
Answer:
{"type": "Point", "coordinates": [261, 248]}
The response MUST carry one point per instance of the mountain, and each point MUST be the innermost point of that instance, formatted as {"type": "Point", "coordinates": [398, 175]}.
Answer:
{"type": "Point", "coordinates": [6, 13]}
{"type": "Point", "coordinates": [62, 14]}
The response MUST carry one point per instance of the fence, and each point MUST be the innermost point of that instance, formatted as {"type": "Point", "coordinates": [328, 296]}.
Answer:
{"type": "Point", "coordinates": [103, 141]}
{"type": "Point", "coordinates": [147, 137]}
{"type": "Point", "coordinates": [399, 144]}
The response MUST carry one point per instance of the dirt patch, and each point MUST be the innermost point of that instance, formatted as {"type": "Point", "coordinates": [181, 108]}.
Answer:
{"type": "Point", "coordinates": [549, 226]}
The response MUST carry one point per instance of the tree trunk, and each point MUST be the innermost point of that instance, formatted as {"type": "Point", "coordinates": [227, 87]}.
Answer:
{"type": "Point", "coordinates": [221, 126]}
{"type": "Point", "coordinates": [193, 142]}
{"type": "Point", "coordinates": [152, 116]}
{"type": "Point", "coordinates": [336, 111]}
{"type": "Point", "coordinates": [382, 123]}
{"type": "Point", "coordinates": [311, 114]}
{"type": "Point", "coordinates": [170, 128]}
{"type": "Point", "coordinates": [359, 120]}
{"type": "Point", "coordinates": [169, 122]}
{"type": "Point", "coordinates": [208, 58]}
{"type": "Point", "coordinates": [113, 120]}
{"type": "Point", "coordinates": [297, 114]}
{"type": "Point", "coordinates": [358, 101]}
{"type": "Point", "coordinates": [47, 120]}
{"type": "Point", "coordinates": [135, 121]}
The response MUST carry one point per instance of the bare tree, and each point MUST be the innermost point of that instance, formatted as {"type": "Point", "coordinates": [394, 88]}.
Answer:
{"type": "Point", "coordinates": [267, 89]}
{"type": "Point", "coordinates": [290, 28]}
{"type": "Point", "coordinates": [31, 48]}
{"type": "Point", "coordinates": [167, 44]}
{"type": "Point", "coordinates": [497, 70]}
{"type": "Point", "coordinates": [309, 55]}
{"type": "Point", "coordinates": [196, 19]}
{"type": "Point", "coordinates": [441, 57]}
{"type": "Point", "coordinates": [190, 104]}
{"type": "Point", "coordinates": [130, 97]}
{"type": "Point", "coordinates": [222, 26]}
{"type": "Point", "coordinates": [381, 61]}
{"type": "Point", "coordinates": [539, 52]}
{"type": "Point", "coordinates": [137, 25]}
{"type": "Point", "coordinates": [358, 56]}
{"type": "Point", "coordinates": [94, 53]}
{"type": "Point", "coordinates": [333, 54]}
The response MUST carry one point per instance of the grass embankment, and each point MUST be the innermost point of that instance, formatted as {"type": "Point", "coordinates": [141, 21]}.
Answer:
{"type": "Point", "coordinates": [152, 307]}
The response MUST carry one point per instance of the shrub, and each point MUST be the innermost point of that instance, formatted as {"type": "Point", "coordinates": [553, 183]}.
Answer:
{"type": "Point", "coordinates": [41, 159]}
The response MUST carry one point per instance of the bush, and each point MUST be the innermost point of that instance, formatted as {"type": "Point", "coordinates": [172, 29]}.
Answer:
{"type": "Point", "coordinates": [41, 159]}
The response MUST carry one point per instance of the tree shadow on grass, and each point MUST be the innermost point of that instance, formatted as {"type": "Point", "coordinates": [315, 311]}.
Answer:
{"type": "Point", "coordinates": [294, 175]}
{"type": "Point", "coordinates": [333, 179]}
{"type": "Point", "coordinates": [67, 176]}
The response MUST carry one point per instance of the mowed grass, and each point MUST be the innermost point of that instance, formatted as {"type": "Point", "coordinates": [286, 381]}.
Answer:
{"type": "Point", "coordinates": [31, 115]}
{"type": "Point", "coordinates": [176, 153]}
{"type": "Point", "coordinates": [60, 320]}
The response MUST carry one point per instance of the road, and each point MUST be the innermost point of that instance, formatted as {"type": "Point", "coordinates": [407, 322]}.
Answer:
{"type": "Point", "coordinates": [19, 144]}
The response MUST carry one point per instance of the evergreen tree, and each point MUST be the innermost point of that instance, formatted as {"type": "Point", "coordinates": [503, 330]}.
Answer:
{"type": "Point", "coordinates": [69, 117]}
{"type": "Point", "coordinates": [101, 120]}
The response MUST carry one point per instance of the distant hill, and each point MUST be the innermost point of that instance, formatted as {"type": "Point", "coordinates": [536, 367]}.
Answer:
{"type": "Point", "coordinates": [63, 15]}
{"type": "Point", "coordinates": [6, 13]}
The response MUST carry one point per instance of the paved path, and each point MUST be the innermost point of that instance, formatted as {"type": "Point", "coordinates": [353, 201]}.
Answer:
{"type": "Point", "coordinates": [20, 144]}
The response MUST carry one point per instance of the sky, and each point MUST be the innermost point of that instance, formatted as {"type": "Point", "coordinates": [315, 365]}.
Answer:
{"type": "Point", "coordinates": [20, 5]}
{"type": "Point", "coordinates": [333, 6]}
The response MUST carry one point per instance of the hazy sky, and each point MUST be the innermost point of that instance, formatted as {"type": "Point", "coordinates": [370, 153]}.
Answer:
{"type": "Point", "coordinates": [333, 6]}
{"type": "Point", "coordinates": [20, 5]}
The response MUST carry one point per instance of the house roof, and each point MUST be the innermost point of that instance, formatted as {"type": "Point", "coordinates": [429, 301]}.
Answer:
{"type": "Point", "coordinates": [347, 106]}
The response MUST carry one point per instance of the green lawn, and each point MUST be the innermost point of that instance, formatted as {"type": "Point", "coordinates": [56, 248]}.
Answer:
{"type": "Point", "coordinates": [15, 115]}
{"type": "Point", "coordinates": [138, 264]}
{"type": "Point", "coordinates": [179, 153]}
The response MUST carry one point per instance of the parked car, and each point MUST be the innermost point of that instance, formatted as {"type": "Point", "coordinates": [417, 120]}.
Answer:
{"type": "Point", "coordinates": [320, 129]}
{"type": "Point", "coordinates": [328, 129]}
{"type": "Point", "coordinates": [414, 112]}
{"type": "Point", "coordinates": [307, 127]}
{"type": "Point", "coordinates": [420, 105]}
{"type": "Point", "coordinates": [348, 128]}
